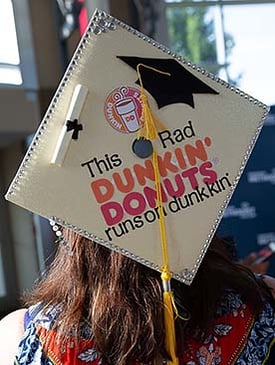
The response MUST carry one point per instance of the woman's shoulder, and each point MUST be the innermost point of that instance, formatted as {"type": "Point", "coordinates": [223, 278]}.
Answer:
{"type": "Point", "coordinates": [11, 332]}
{"type": "Point", "coordinates": [232, 301]}
{"type": "Point", "coordinates": [18, 331]}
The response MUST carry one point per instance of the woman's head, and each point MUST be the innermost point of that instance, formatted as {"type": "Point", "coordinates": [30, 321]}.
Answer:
{"type": "Point", "coordinates": [122, 299]}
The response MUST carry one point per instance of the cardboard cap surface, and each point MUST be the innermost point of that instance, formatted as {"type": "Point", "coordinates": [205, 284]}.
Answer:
{"type": "Point", "coordinates": [83, 169]}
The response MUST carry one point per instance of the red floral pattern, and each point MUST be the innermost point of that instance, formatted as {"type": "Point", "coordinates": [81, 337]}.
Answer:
{"type": "Point", "coordinates": [236, 337]}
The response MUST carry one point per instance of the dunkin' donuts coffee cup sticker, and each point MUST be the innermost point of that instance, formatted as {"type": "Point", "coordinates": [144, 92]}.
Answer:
{"type": "Point", "coordinates": [123, 109]}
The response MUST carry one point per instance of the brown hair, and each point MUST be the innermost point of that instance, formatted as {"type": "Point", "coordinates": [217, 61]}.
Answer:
{"type": "Point", "coordinates": [122, 300]}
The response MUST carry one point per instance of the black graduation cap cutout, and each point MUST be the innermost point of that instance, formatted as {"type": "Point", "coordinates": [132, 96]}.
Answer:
{"type": "Point", "coordinates": [177, 87]}
{"type": "Point", "coordinates": [98, 187]}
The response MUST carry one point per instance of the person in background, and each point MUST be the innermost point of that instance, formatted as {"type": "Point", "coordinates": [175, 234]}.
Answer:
{"type": "Point", "coordinates": [250, 262]}
{"type": "Point", "coordinates": [95, 306]}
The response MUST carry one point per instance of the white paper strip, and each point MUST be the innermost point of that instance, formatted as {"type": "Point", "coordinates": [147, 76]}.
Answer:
{"type": "Point", "coordinates": [65, 137]}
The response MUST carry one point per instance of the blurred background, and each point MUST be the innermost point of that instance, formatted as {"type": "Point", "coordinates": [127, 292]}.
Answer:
{"type": "Point", "coordinates": [232, 38]}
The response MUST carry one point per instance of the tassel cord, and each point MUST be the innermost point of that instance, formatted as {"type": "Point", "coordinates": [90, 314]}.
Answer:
{"type": "Point", "coordinates": [151, 123]}
{"type": "Point", "coordinates": [149, 131]}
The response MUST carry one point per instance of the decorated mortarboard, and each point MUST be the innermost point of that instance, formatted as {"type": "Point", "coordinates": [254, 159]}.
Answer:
{"type": "Point", "coordinates": [140, 151]}
{"type": "Point", "coordinates": [125, 107]}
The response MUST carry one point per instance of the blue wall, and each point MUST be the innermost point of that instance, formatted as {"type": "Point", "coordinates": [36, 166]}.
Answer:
{"type": "Point", "coordinates": [250, 216]}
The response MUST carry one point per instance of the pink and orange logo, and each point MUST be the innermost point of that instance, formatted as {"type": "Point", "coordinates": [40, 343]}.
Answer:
{"type": "Point", "coordinates": [123, 109]}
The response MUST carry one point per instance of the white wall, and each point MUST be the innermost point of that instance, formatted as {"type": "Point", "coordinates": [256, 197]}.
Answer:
{"type": "Point", "coordinates": [92, 5]}
{"type": "Point", "coordinates": [21, 225]}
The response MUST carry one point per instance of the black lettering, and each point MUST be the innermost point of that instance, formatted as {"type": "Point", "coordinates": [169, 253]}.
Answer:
{"type": "Point", "coordinates": [212, 189]}
{"type": "Point", "coordinates": [138, 221]}
{"type": "Point", "coordinates": [107, 231]}
{"type": "Point", "coordinates": [157, 210]}
{"type": "Point", "coordinates": [179, 137]}
{"type": "Point", "coordinates": [174, 205]}
{"type": "Point", "coordinates": [188, 130]}
{"type": "Point", "coordinates": [120, 232]}
{"type": "Point", "coordinates": [130, 223]}
{"type": "Point", "coordinates": [190, 196]}
{"type": "Point", "coordinates": [228, 183]}
{"type": "Point", "coordinates": [108, 161]}
{"type": "Point", "coordinates": [186, 205]}
{"type": "Point", "coordinates": [88, 163]}
{"type": "Point", "coordinates": [201, 193]}
{"type": "Point", "coordinates": [164, 137]}
{"type": "Point", "coordinates": [116, 160]}
{"type": "Point", "coordinates": [148, 214]}
{"type": "Point", "coordinates": [101, 165]}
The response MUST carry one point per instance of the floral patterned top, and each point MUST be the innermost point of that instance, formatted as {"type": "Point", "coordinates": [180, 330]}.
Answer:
{"type": "Point", "coordinates": [236, 337]}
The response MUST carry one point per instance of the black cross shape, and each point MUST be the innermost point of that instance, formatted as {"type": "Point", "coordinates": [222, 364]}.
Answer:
{"type": "Point", "coordinates": [73, 125]}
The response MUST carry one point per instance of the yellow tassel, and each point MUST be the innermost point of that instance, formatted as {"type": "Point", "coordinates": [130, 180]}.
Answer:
{"type": "Point", "coordinates": [166, 276]}
{"type": "Point", "coordinates": [151, 124]}
{"type": "Point", "coordinates": [169, 316]}
{"type": "Point", "coordinates": [169, 325]}
{"type": "Point", "coordinates": [149, 131]}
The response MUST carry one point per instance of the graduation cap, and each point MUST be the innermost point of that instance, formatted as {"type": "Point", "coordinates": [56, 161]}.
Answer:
{"type": "Point", "coordinates": [140, 150]}
{"type": "Point", "coordinates": [176, 85]}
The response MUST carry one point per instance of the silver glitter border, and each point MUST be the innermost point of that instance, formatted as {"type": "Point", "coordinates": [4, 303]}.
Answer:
{"type": "Point", "coordinates": [100, 23]}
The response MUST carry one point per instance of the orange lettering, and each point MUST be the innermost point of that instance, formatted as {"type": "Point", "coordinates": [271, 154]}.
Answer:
{"type": "Point", "coordinates": [128, 185]}
{"type": "Point", "coordinates": [165, 164]}
{"type": "Point", "coordinates": [143, 172]}
{"type": "Point", "coordinates": [103, 190]}
{"type": "Point", "coordinates": [195, 152]}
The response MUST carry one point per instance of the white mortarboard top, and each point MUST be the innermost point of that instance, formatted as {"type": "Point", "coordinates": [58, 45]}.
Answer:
{"type": "Point", "coordinates": [88, 170]}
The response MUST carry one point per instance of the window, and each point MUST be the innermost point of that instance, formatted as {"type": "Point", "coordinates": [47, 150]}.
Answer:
{"type": "Point", "coordinates": [9, 55]}
{"type": "Point", "coordinates": [253, 56]}
{"type": "Point", "coordinates": [234, 39]}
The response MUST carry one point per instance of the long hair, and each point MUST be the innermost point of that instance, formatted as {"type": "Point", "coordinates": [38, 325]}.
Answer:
{"type": "Point", "coordinates": [122, 299]}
